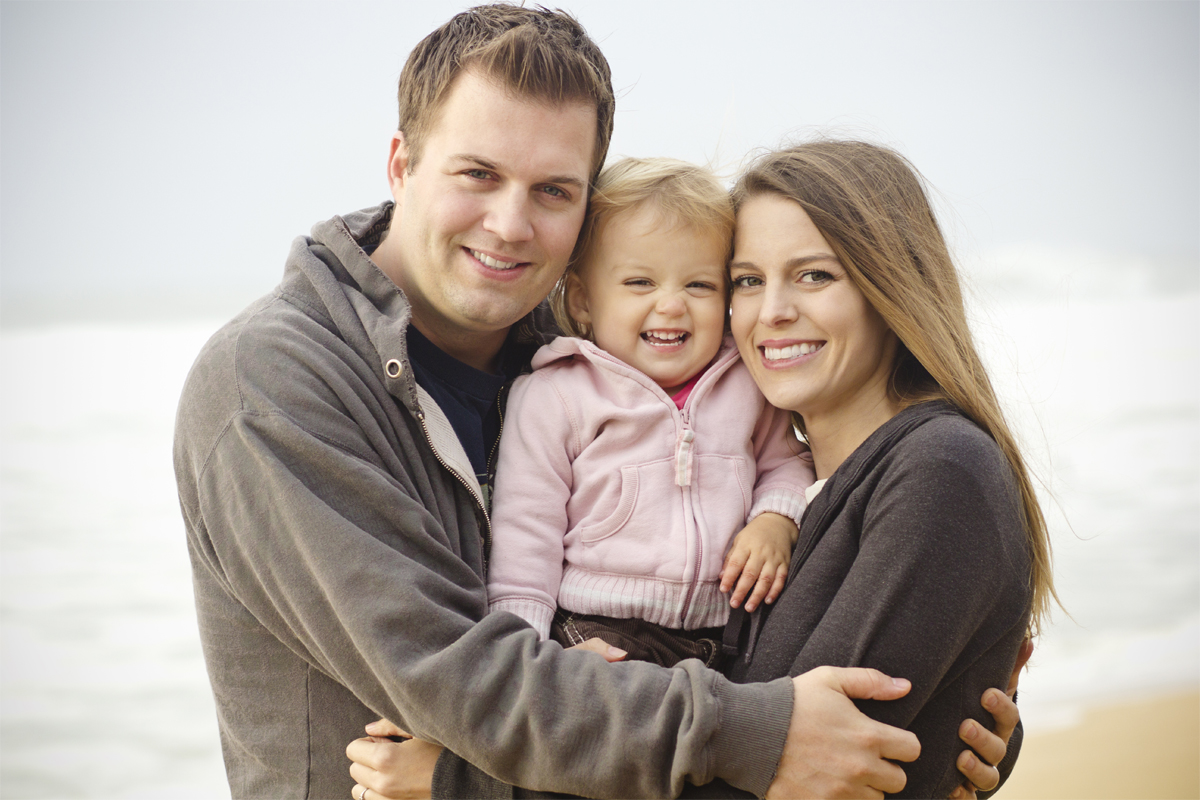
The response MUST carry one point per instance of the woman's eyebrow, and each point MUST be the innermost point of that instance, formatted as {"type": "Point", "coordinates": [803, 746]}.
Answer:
{"type": "Point", "coordinates": [791, 263]}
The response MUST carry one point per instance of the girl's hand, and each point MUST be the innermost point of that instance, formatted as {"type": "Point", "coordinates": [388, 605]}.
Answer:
{"type": "Point", "coordinates": [388, 770]}
{"type": "Point", "coordinates": [758, 560]}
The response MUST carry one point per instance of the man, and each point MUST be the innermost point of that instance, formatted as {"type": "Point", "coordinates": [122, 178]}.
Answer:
{"type": "Point", "coordinates": [332, 453]}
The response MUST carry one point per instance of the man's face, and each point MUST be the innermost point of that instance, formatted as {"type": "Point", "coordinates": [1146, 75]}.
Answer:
{"type": "Point", "coordinates": [487, 219]}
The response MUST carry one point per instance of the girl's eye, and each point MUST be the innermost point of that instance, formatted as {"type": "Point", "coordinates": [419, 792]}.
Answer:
{"type": "Point", "coordinates": [637, 282]}
{"type": "Point", "coordinates": [703, 286]}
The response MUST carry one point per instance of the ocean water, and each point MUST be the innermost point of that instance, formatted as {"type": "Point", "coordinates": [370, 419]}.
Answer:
{"type": "Point", "coordinates": [102, 686]}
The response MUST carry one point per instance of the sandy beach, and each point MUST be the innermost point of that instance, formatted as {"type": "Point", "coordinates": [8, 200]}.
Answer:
{"type": "Point", "coordinates": [1145, 749]}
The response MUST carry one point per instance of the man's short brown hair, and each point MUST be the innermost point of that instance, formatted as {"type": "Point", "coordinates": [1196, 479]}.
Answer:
{"type": "Point", "coordinates": [534, 52]}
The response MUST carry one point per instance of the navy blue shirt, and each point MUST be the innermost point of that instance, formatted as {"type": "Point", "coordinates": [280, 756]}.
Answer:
{"type": "Point", "coordinates": [467, 396]}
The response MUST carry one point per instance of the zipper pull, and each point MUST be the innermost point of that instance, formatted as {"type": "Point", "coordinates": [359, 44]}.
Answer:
{"type": "Point", "coordinates": [683, 457]}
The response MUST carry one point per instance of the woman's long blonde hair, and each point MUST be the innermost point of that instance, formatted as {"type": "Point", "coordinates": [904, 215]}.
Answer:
{"type": "Point", "coordinates": [870, 205]}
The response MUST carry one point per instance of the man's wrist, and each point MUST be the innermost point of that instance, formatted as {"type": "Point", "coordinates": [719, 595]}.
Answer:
{"type": "Point", "coordinates": [748, 743]}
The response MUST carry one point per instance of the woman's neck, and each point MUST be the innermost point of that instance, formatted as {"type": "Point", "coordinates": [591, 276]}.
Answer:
{"type": "Point", "coordinates": [837, 434]}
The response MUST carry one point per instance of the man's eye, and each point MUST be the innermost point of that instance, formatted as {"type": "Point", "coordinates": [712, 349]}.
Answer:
{"type": "Point", "coordinates": [554, 191]}
{"type": "Point", "coordinates": [478, 174]}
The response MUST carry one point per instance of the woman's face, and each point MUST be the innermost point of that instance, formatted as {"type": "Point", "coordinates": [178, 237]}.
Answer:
{"type": "Point", "coordinates": [811, 340]}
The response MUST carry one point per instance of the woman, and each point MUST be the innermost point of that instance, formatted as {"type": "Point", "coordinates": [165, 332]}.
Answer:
{"type": "Point", "coordinates": [923, 552]}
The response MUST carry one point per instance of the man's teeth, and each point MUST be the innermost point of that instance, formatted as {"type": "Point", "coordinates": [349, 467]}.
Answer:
{"type": "Point", "coordinates": [791, 351]}
{"type": "Point", "coordinates": [664, 337]}
{"type": "Point", "coordinates": [492, 262]}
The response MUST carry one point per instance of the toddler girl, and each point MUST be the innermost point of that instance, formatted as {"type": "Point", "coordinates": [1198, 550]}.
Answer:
{"type": "Point", "coordinates": [640, 446]}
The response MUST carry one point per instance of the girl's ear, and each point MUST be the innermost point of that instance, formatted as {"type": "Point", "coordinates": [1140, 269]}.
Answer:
{"type": "Point", "coordinates": [577, 305]}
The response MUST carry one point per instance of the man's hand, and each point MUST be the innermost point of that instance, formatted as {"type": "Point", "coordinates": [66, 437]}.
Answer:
{"type": "Point", "coordinates": [980, 770]}
{"type": "Point", "coordinates": [835, 750]}
{"type": "Point", "coordinates": [757, 564]}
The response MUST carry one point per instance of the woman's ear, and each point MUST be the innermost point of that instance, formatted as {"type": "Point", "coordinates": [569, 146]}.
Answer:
{"type": "Point", "coordinates": [577, 305]}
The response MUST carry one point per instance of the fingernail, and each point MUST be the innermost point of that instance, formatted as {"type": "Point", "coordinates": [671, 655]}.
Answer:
{"type": "Point", "coordinates": [373, 728]}
{"type": "Point", "coordinates": [989, 701]}
{"type": "Point", "coordinates": [616, 652]}
{"type": "Point", "coordinates": [900, 683]}
{"type": "Point", "coordinates": [970, 761]}
{"type": "Point", "coordinates": [971, 732]}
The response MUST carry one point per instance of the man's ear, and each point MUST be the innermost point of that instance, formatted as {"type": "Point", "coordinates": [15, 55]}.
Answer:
{"type": "Point", "coordinates": [577, 304]}
{"type": "Point", "coordinates": [397, 166]}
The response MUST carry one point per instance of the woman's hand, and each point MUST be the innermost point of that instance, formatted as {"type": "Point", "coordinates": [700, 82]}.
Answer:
{"type": "Point", "coordinates": [980, 770]}
{"type": "Point", "coordinates": [760, 555]}
{"type": "Point", "coordinates": [391, 770]}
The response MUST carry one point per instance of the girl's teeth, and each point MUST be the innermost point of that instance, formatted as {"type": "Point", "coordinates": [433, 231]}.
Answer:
{"type": "Point", "coordinates": [791, 351]}
{"type": "Point", "coordinates": [494, 263]}
{"type": "Point", "coordinates": [663, 337]}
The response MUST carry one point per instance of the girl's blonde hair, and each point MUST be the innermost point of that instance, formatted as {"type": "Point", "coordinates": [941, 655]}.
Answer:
{"type": "Point", "coordinates": [870, 205]}
{"type": "Point", "coordinates": [685, 194]}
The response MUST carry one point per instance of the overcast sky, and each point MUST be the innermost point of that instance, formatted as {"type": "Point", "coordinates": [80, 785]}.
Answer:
{"type": "Point", "coordinates": [163, 154]}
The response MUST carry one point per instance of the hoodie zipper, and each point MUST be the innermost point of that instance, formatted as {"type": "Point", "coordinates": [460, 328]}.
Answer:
{"type": "Point", "coordinates": [487, 533]}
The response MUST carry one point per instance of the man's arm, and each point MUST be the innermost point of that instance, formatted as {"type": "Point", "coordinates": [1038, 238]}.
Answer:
{"type": "Point", "coordinates": [329, 543]}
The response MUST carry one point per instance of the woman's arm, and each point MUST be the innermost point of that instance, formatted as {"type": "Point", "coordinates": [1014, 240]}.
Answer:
{"type": "Point", "coordinates": [933, 588]}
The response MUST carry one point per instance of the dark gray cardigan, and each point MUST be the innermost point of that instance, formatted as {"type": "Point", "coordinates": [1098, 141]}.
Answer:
{"type": "Point", "coordinates": [912, 560]}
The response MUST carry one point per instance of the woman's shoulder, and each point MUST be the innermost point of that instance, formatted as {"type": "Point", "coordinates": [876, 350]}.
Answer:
{"type": "Point", "coordinates": [946, 444]}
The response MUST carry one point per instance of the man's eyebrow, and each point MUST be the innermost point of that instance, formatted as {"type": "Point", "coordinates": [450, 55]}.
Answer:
{"type": "Point", "coordinates": [792, 263]}
{"type": "Point", "coordinates": [573, 181]}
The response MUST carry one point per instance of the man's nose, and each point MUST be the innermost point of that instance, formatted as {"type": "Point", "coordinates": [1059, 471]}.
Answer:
{"type": "Point", "coordinates": [509, 216]}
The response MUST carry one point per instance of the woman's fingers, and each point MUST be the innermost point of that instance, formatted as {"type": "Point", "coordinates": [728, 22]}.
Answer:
{"type": "Point", "coordinates": [385, 727]}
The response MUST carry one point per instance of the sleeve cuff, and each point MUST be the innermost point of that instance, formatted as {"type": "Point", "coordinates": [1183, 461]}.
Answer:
{"type": "Point", "coordinates": [536, 613]}
{"type": "Point", "coordinates": [754, 724]}
{"type": "Point", "coordinates": [780, 501]}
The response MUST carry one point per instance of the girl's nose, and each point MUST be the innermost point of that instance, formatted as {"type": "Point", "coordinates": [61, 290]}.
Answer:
{"type": "Point", "coordinates": [670, 305]}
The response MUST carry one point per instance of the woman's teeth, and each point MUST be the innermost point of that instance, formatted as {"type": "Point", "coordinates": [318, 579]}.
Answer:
{"type": "Point", "coordinates": [493, 262]}
{"type": "Point", "coordinates": [664, 337]}
{"type": "Point", "coordinates": [791, 351]}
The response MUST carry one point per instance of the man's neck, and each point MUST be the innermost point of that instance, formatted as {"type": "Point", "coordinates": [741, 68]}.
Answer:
{"type": "Point", "coordinates": [477, 349]}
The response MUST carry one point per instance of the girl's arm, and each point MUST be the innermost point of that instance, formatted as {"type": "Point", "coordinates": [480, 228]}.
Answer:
{"type": "Point", "coordinates": [529, 507]}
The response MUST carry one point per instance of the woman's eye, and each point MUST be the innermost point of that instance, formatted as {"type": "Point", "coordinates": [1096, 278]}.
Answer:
{"type": "Point", "coordinates": [815, 276]}
{"type": "Point", "coordinates": [747, 282]}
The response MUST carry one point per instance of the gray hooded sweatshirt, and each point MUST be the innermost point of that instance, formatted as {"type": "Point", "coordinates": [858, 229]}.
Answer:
{"type": "Point", "coordinates": [338, 543]}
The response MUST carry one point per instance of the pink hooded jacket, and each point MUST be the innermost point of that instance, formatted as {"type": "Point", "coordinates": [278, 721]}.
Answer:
{"type": "Point", "coordinates": [610, 500]}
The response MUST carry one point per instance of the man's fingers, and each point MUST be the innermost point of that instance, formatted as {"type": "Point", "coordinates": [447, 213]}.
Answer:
{"type": "Point", "coordinates": [601, 647]}
{"type": "Point", "coordinates": [1004, 711]}
{"type": "Point", "coordinates": [979, 774]}
{"type": "Point", "coordinates": [867, 684]}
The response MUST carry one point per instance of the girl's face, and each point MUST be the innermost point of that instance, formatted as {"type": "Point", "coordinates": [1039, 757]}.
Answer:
{"type": "Point", "coordinates": [811, 340]}
{"type": "Point", "coordinates": [653, 292]}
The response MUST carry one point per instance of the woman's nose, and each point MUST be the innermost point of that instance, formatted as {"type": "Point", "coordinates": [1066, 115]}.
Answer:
{"type": "Point", "coordinates": [778, 307]}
